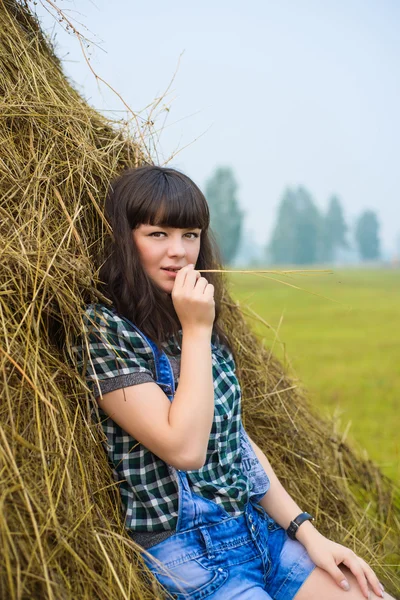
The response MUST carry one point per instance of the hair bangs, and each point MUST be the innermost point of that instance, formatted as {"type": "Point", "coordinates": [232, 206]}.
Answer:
{"type": "Point", "coordinates": [174, 201]}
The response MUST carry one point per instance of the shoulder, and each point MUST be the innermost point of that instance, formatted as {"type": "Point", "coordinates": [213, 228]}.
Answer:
{"type": "Point", "coordinates": [222, 351]}
{"type": "Point", "coordinates": [98, 315]}
{"type": "Point", "coordinates": [100, 321]}
{"type": "Point", "coordinates": [111, 352]}
{"type": "Point", "coordinates": [104, 325]}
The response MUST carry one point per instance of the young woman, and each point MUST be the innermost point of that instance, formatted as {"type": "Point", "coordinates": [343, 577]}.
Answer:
{"type": "Point", "coordinates": [199, 497]}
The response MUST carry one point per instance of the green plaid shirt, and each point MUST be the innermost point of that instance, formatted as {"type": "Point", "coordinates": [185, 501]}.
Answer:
{"type": "Point", "coordinates": [112, 355]}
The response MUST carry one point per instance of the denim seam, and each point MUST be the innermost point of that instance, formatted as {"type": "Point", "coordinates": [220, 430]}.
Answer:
{"type": "Point", "coordinates": [295, 570]}
{"type": "Point", "coordinates": [209, 526]}
{"type": "Point", "coordinates": [227, 564]}
{"type": "Point", "coordinates": [223, 521]}
{"type": "Point", "coordinates": [264, 551]}
{"type": "Point", "coordinates": [233, 544]}
{"type": "Point", "coordinates": [188, 557]}
{"type": "Point", "coordinates": [220, 577]}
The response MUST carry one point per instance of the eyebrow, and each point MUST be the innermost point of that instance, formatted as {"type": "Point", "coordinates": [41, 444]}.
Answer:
{"type": "Point", "coordinates": [168, 227]}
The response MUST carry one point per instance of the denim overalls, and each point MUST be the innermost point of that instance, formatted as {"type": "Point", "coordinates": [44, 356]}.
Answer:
{"type": "Point", "coordinates": [214, 555]}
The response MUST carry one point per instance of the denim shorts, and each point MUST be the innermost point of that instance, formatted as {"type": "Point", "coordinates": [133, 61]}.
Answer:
{"type": "Point", "coordinates": [247, 557]}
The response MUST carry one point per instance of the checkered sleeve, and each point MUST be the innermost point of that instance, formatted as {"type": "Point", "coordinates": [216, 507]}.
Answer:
{"type": "Point", "coordinates": [226, 354]}
{"type": "Point", "coordinates": [111, 355]}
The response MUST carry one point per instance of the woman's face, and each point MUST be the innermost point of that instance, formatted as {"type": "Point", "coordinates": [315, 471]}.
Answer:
{"type": "Point", "coordinates": [161, 248]}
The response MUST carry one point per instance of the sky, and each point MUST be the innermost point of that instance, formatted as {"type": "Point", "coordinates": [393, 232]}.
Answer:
{"type": "Point", "coordinates": [286, 93]}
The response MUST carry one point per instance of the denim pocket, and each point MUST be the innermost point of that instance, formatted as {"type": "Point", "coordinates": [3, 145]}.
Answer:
{"type": "Point", "coordinates": [272, 525]}
{"type": "Point", "coordinates": [190, 579]}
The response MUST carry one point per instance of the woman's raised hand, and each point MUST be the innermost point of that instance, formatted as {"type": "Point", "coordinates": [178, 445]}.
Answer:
{"type": "Point", "coordinates": [193, 299]}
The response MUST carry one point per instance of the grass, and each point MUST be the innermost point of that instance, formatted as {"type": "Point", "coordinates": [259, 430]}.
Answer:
{"type": "Point", "coordinates": [347, 355]}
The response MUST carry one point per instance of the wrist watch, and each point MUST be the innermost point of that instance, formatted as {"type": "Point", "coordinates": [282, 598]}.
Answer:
{"type": "Point", "coordinates": [295, 524]}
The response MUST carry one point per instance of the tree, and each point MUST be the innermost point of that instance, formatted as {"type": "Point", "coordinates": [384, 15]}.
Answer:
{"type": "Point", "coordinates": [308, 230]}
{"type": "Point", "coordinates": [334, 230]}
{"type": "Point", "coordinates": [226, 216]}
{"type": "Point", "coordinates": [282, 244]}
{"type": "Point", "coordinates": [297, 233]}
{"type": "Point", "coordinates": [367, 235]}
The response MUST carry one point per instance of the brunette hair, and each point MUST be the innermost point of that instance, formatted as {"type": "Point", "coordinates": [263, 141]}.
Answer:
{"type": "Point", "coordinates": [153, 195]}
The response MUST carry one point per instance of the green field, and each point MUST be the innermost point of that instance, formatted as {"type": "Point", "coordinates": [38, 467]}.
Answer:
{"type": "Point", "coordinates": [345, 349]}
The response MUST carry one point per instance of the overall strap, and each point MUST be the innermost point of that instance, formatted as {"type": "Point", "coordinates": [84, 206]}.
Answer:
{"type": "Point", "coordinates": [164, 374]}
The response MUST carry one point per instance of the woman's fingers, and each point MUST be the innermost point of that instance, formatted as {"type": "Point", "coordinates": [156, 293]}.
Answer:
{"type": "Point", "coordinates": [192, 298]}
{"type": "Point", "coordinates": [372, 578]}
{"type": "Point", "coordinates": [201, 285]}
{"type": "Point", "coordinates": [181, 275]}
{"type": "Point", "coordinates": [364, 574]}
{"type": "Point", "coordinates": [186, 276]}
{"type": "Point", "coordinates": [209, 291]}
{"type": "Point", "coordinates": [352, 562]}
{"type": "Point", "coordinates": [191, 278]}
{"type": "Point", "coordinates": [337, 575]}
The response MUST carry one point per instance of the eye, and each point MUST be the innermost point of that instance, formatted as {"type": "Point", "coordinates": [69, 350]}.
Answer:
{"type": "Point", "coordinates": [196, 235]}
{"type": "Point", "coordinates": [157, 233]}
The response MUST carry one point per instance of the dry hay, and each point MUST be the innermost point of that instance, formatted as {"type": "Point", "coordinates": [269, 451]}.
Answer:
{"type": "Point", "coordinates": [61, 530]}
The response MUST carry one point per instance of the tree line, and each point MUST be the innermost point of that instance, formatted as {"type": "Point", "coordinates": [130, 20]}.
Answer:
{"type": "Point", "coordinates": [302, 233]}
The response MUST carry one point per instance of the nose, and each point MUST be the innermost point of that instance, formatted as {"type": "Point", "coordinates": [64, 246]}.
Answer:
{"type": "Point", "coordinates": [176, 246]}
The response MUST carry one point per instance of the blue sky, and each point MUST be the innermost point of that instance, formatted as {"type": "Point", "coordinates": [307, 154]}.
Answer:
{"type": "Point", "coordinates": [286, 93]}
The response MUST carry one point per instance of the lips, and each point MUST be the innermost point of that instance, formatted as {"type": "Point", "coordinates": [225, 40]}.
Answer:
{"type": "Point", "coordinates": [172, 274]}
{"type": "Point", "coordinates": [171, 269]}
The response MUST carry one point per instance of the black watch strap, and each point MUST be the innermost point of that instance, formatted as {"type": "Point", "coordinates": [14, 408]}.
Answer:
{"type": "Point", "coordinates": [295, 524]}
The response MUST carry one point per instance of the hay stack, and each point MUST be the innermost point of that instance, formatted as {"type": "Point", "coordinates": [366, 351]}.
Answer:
{"type": "Point", "coordinates": [60, 526]}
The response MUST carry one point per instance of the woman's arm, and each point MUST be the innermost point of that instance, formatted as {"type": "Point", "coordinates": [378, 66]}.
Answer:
{"type": "Point", "coordinates": [177, 431]}
{"type": "Point", "coordinates": [279, 504]}
{"type": "Point", "coordinates": [324, 553]}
